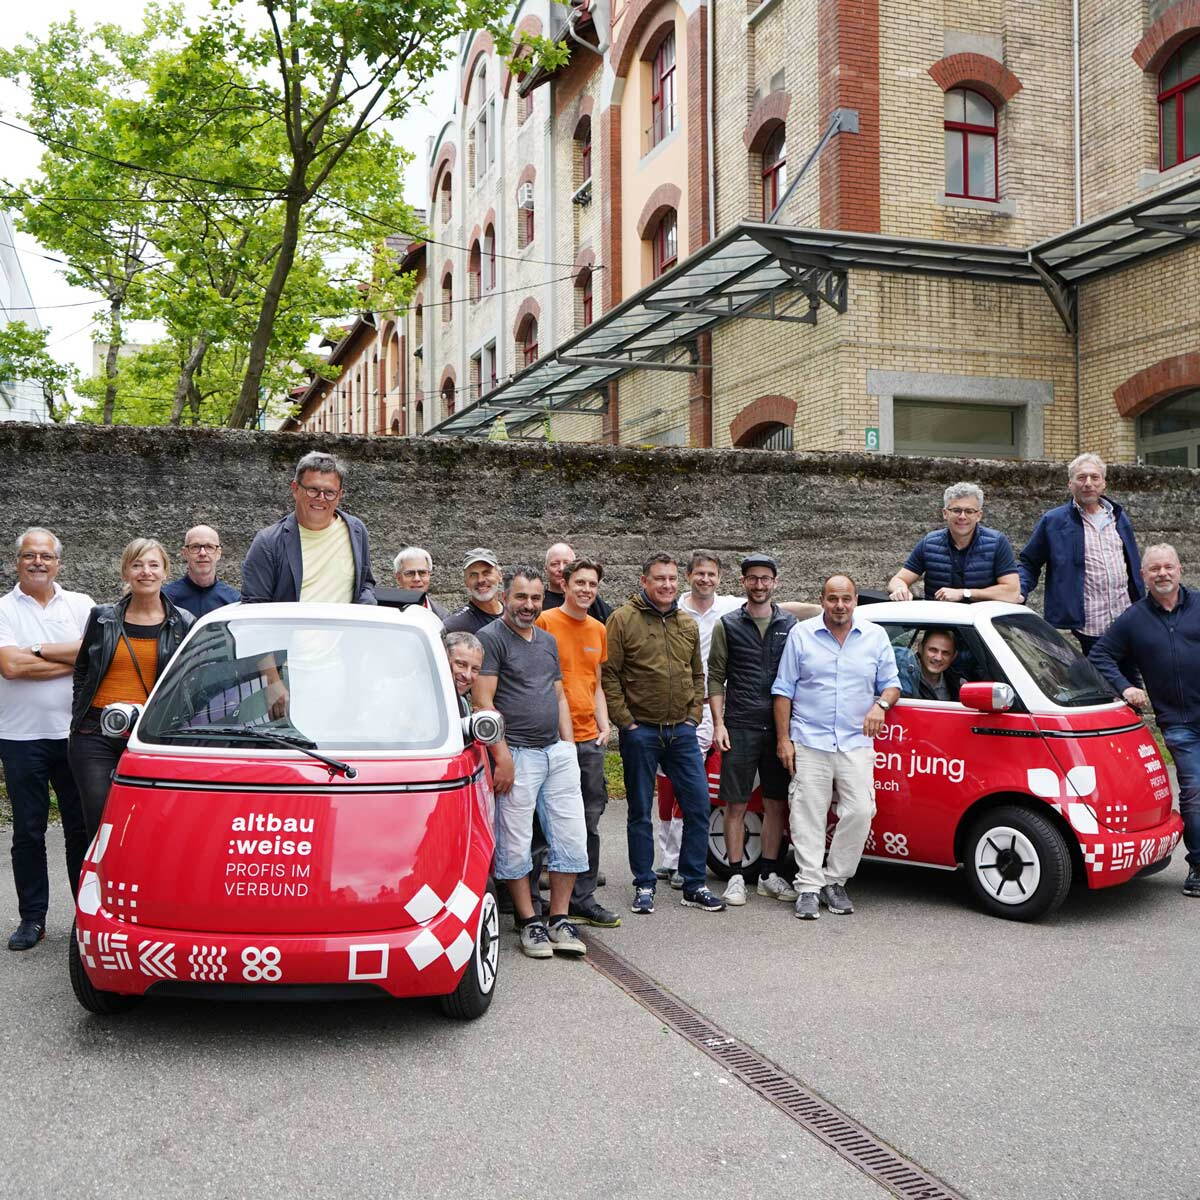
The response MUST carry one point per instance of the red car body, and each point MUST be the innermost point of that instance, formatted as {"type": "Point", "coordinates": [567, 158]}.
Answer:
{"type": "Point", "coordinates": [263, 869]}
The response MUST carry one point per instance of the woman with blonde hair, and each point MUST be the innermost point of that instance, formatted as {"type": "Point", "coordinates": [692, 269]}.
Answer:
{"type": "Point", "coordinates": [125, 647]}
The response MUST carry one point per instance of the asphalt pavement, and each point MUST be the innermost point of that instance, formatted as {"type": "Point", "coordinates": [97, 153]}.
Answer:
{"type": "Point", "coordinates": [1013, 1061]}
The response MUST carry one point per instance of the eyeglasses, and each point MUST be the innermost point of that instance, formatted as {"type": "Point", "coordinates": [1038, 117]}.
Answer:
{"type": "Point", "coordinates": [964, 512]}
{"type": "Point", "coordinates": [35, 556]}
{"type": "Point", "coordinates": [211, 547]}
{"type": "Point", "coordinates": [321, 493]}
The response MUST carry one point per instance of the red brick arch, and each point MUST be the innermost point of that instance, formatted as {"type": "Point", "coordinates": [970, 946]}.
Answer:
{"type": "Point", "coordinates": [637, 18]}
{"type": "Point", "coordinates": [528, 175]}
{"type": "Point", "coordinates": [1147, 387]}
{"type": "Point", "coordinates": [531, 26]}
{"type": "Point", "coordinates": [482, 44]}
{"type": "Point", "coordinates": [585, 261]}
{"type": "Point", "coordinates": [443, 162]}
{"type": "Point", "coordinates": [586, 106]}
{"type": "Point", "coordinates": [1178, 24]}
{"type": "Point", "coordinates": [977, 71]}
{"type": "Point", "coordinates": [529, 308]}
{"type": "Point", "coordinates": [766, 410]}
{"type": "Point", "coordinates": [665, 196]}
{"type": "Point", "coordinates": [769, 112]}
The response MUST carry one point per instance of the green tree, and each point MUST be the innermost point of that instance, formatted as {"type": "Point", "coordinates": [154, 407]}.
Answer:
{"type": "Point", "coordinates": [24, 358]}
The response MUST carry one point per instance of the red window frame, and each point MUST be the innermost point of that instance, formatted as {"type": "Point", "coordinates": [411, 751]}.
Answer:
{"type": "Point", "coordinates": [585, 289]}
{"type": "Point", "coordinates": [527, 221]}
{"type": "Point", "coordinates": [662, 90]}
{"type": "Point", "coordinates": [1166, 94]}
{"type": "Point", "coordinates": [666, 243]}
{"type": "Point", "coordinates": [774, 162]}
{"type": "Point", "coordinates": [489, 240]}
{"type": "Point", "coordinates": [965, 128]}
{"type": "Point", "coordinates": [529, 343]}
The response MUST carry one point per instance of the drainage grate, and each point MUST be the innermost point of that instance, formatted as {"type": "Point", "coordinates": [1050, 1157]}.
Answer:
{"type": "Point", "coordinates": [852, 1141]}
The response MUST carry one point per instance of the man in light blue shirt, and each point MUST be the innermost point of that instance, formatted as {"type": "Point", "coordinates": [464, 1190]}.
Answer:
{"type": "Point", "coordinates": [836, 682]}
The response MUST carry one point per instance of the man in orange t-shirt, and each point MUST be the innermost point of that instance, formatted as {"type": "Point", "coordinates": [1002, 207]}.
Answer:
{"type": "Point", "coordinates": [582, 648]}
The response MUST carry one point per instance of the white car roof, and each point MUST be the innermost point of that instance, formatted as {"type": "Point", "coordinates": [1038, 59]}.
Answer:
{"type": "Point", "coordinates": [414, 614]}
{"type": "Point", "coordinates": [936, 612]}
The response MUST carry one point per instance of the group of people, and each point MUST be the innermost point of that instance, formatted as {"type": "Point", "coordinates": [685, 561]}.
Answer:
{"type": "Point", "coordinates": [792, 695]}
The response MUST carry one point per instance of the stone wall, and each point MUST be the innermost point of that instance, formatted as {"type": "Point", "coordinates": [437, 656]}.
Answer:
{"type": "Point", "coordinates": [98, 487]}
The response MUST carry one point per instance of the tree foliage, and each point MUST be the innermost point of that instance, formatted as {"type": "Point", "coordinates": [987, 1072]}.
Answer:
{"type": "Point", "coordinates": [24, 358]}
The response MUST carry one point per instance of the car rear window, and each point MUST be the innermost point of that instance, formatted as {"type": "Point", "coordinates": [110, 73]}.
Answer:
{"type": "Point", "coordinates": [1061, 673]}
{"type": "Point", "coordinates": [345, 685]}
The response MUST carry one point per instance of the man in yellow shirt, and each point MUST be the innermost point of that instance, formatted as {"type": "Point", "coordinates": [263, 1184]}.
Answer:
{"type": "Point", "coordinates": [317, 552]}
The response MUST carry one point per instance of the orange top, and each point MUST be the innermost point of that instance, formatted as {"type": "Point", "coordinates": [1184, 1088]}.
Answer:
{"type": "Point", "coordinates": [582, 647]}
{"type": "Point", "coordinates": [121, 681]}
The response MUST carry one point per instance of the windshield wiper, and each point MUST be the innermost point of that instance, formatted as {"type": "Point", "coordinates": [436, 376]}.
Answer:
{"type": "Point", "coordinates": [303, 744]}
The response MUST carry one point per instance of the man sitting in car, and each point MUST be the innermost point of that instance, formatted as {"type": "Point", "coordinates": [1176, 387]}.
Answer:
{"type": "Point", "coordinates": [926, 673]}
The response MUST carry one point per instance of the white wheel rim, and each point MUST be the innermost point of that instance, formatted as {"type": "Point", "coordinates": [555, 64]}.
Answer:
{"type": "Point", "coordinates": [487, 944]}
{"type": "Point", "coordinates": [716, 836]}
{"type": "Point", "coordinates": [1007, 865]}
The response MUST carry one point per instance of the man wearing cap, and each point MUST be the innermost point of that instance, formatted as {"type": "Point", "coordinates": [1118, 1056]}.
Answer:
{"type": "Point", "coordinates": [743, 659]}
{"type": "Point", "coordinates": [481, 578]}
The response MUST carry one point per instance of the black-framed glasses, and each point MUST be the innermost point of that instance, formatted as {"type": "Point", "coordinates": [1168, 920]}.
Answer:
{"type": "Point", "coordinates": [315, 493]}
{"type": "Point", "coordinates": [964, 512]}
{"type": "Point", "coordinates": [211, 547]}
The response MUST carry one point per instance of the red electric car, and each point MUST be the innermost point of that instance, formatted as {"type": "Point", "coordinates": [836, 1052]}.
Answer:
{"type": "Point", "coordinates": [303, 811]}
{"type": "Point", "coordinates": [1037, 775]}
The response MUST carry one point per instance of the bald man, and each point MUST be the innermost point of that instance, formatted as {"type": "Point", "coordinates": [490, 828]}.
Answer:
{"type": "Point", "coordinates": [199, 590]}
{"type": "Point", "coordinates": [557, 557]}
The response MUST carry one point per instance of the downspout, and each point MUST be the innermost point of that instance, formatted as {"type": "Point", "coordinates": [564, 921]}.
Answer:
{"type": "Point", "coordinates": [711, 119]}
{"type": "Point", "coordinates": [1078, 137]}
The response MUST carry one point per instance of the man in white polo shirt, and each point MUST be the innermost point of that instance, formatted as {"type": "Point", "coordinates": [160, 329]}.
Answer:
{"type": "Point", "coordinates": [40, 629]}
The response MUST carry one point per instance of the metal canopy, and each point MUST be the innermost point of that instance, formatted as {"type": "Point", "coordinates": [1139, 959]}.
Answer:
{"type": "Point", "coordinates": [1160, 222]}
{"type": "Point", "coordinates": [752, 271]}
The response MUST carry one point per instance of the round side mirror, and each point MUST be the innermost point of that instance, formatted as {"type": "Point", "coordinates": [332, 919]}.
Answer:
{"type": "Point", "coordinates": [118, 720]}
{"type": "Point", "coordinates": [487, 726]}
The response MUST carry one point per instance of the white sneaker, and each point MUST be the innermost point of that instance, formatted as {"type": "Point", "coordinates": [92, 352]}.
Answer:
{"type": "Point", "coordinates": [735, 891]}
{"type": "Point", "coordinates": [777, 888]}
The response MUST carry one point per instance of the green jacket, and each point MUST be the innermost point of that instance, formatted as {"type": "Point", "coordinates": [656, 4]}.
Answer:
{"type": "Point", "coordinates": [654, 673]}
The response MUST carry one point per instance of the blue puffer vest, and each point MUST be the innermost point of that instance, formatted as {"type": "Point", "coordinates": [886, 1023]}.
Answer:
{"type": "Point", "coordinates": [979, 569]}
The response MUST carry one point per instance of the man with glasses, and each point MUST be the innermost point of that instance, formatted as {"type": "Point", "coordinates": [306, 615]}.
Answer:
{"type": "Point", "coordinates": [413, 568]}
{"type": "Point", "coordinates": [199, 591]}
{"type": "Point", "coordinates": [316, 553]}
{"type": "Point", "coordinates": [40, 628]}
{"type": "Point", "coordinates": [965, 561]}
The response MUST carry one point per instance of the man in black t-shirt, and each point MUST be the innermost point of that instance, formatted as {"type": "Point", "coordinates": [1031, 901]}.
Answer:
{"type": "Point", "coordinates": [557, 558]}
{"type": "Point", "coordinates": [481, 578]}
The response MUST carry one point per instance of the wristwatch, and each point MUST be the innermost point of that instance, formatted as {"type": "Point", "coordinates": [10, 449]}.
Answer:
{"type": "Point", "coordinates": [36, 648]}
{"type": "Point", "coordinates": [967, 595]}
{"type": "Point", "coordinates": [884, 704]}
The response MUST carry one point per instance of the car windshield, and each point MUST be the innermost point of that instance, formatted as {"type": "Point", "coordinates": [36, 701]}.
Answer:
{"type": "Point", "coordinates": [340, 685]}
{"type": "Point", "coordinates": [1061, 673]}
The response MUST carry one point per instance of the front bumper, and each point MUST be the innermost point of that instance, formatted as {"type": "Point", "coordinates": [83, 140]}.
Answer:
{"type": "Point", "coordinates": [1112, 858]}
{"type": "Point", "coordinates": [427, 960]}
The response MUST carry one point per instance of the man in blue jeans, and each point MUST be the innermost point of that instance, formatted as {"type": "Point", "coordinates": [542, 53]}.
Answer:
{"type": "Point", "coordinates": [654, 684]}
{"type": "Point", "coordinates": [1160, 636]}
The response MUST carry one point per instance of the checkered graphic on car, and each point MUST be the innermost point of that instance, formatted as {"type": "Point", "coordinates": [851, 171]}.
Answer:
{"type": "Point", "coordinates": [427, 947]}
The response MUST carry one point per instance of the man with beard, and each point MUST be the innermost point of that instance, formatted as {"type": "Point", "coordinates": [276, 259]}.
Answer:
{"type": "Point", "coordinates": [557, 558]}
{"type": "Point", "coordinates": [747, 645]}
{"type": "Point", "coordinates": [536, 765]}
{"type": "Point", "coordinates": [481, 578]}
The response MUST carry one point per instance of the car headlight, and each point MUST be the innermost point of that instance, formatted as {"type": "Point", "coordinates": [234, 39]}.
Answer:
{"type": "Point", "coordinates": [118, 720]}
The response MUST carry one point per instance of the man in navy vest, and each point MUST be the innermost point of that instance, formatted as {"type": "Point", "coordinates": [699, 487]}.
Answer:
{"type": "Point", "coordinates": [965, 561]}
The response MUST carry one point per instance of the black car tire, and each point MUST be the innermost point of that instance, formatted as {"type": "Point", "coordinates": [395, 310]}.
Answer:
{"type": "Point", "coordinates": [104, 1004]}
{"type": "Point", "coordinates": [473, 995]}
{"type": "Point", "coordinates": [1018, 864]}
{"type": "Point", "coordinates": [718, 864]}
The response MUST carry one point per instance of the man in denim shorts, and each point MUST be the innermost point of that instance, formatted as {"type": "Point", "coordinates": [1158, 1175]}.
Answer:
{"type": "Point", "coordinates": [536, 766]}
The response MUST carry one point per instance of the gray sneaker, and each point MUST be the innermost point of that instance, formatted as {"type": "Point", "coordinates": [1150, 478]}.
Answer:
{"type": "Point", "coordinates": [535, 941]}
{"type": "Point", "coordinates": [677, 881]}
{"type": "Point", "coordinates": [564, 938]}
{"type": "Point", "coordinates": [833, 896]}
{"type": "Point", "coordinates": [777, 888]}
{"type": "Point", "coordinates": [808, 907]}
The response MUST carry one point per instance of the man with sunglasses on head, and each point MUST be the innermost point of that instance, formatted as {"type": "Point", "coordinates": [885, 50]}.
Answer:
{"type": "Point", "coordinates": [198, 590]}
{"type": "Point", "coordinates": [963, 562]}
{"type": "Point", "coordinates": [315, 553]}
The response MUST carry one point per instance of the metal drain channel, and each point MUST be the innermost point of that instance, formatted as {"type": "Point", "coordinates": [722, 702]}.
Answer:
{"type": "Point", "coordinates": [854, 1142]}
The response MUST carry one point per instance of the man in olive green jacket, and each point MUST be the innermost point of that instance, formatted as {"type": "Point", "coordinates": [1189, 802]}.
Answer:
{"type": "Point", "coordinates": [654, 684]}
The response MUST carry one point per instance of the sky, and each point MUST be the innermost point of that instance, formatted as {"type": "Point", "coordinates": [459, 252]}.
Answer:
{"type": "Point", "coordinates": [66, 310]}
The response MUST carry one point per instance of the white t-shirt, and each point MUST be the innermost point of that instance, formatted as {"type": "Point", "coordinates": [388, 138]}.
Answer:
{"type": "Point", "coordinates": [707, 622]}
{"type": "Point", "coordinates": [31, 709]}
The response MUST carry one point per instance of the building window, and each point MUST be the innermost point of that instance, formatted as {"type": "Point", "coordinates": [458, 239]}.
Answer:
{"type": "Point", "coordinates": [774, 435]}
{"type": "Point", "coordinates": [584, 290]}
{"type": "Point", "coordinates": [418, 329]}
{"type": "Point", "coordinates": [420, 416]}
{"type": "Point", "coordinates": [447, 398]}
{"type": "Point", "coordinates": [488, 369]}
{"type": "Point", "coordinates": [474, 271]}
{"type": "Point", "coordinates": [524, 215]}
{"type": "Point", "coordinates": [476, 377]}
{"type": "Point", "coordinates": [583, 152]}
{"type": "Point", "coordinates": [774, 171]}
{"type": "Point", "coordinates": [971, 145]}
{"type": "Point", "coordinates": [480, 141]}
{"type": "Point", "coordinates": [444, 191]}
{"type": "Point", "coordinates": [662, 90]}
{"type": "Point", "coordinates": [447, 296]}
{"type": "Point", "coordinates": [1179, 106]}
{"type": "Point", "coordinates": [666, 243]}
{"type": "Point", "coordinates": [527, 342]}
{"type": "Point", "coordinates": [1169, 434]}
{"type": "Point", "coordinates": [489, 254]}
{"type": "Point", "coordinates": [935, 427]}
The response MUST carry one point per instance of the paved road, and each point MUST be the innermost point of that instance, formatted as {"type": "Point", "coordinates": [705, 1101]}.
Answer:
{"type": "Point", "coordinates": [1014, 1061]}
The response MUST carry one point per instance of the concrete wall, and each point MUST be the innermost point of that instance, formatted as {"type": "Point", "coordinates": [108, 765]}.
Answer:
{"type": "Point", "coordinates": [98, 487]}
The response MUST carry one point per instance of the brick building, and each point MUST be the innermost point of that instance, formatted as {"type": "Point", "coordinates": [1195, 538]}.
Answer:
{"type": "Point", "coordinates": [964, 227]}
